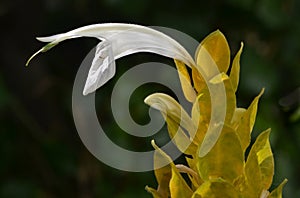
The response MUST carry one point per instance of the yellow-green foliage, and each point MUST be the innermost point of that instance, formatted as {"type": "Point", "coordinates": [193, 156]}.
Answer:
{"type": "Point", "coordinates": [224, 171]}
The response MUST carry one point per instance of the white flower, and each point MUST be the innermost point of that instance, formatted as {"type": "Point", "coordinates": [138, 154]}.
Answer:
{"type": "Point", "coordinates": [118, 40]}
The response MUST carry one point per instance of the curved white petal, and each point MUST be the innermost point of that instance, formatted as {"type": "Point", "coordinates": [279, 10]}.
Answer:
{"type": "Point", "coordinates": [122, 40]}
{"type": "Point", "coordinates": [102, 69]}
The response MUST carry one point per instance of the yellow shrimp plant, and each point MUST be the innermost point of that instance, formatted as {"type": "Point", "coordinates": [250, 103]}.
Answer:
{"type": "Point", "coordinates": [226, 170]}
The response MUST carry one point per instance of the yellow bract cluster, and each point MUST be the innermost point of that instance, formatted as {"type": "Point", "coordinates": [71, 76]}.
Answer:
{"type": "Point", "coordinates": [224, 171]}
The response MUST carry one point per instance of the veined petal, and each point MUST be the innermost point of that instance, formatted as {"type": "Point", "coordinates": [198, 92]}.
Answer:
{"type": "Point", "coordinates": [102, 69]}
{"type": "Point", "coordinates": [124, 39]}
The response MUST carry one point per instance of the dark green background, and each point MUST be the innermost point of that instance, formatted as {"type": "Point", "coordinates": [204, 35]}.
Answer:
{"type": "Point", "coordinates": [41, 154]}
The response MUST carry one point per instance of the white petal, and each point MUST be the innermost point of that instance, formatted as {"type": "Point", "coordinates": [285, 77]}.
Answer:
{"type": "Point", "coordinates": [168, 106]}
{"type": "Point", "coordinates": [124, 39]}
{"type": "Point", "coordinates": [103, 68]}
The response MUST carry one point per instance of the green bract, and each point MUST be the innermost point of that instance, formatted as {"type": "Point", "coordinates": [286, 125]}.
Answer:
{"type": "Point", "coordinates": [224, 171]}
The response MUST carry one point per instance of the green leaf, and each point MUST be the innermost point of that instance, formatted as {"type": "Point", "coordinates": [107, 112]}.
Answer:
{"type": "Point", "coordinates": [246, 123]}
{"type": "Point", "coordinates": [277, 192]}
{"type": "Point", "coordinates": [235, 69]}
{"type": "Point", "coordinates": [185, 81]}
{"type": "Point", "coordinates": [225, 160]}
{"type": "Point", "coordinates": [216, 188]}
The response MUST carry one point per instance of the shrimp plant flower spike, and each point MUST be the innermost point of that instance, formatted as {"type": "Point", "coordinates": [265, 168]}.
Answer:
{"type": "Point", "coordinates": [213, 136]}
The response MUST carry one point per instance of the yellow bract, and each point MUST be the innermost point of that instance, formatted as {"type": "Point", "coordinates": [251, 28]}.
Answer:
{"type": "Point", "coordinates": [277, 192]}
{"type": "Point", "coordinates": [170, 181]}
{"type": "Point", "coordinates": [178, 121]}
{"type": "Point", "coordinates": [260, 163]}
{"type": "Point", "coordinates": [213, 50]}
{"type": "Point", "coordinates": [216, 188]}
{"type": "Point", "coordinates": [185, 80]}
{"type": "Point", "coordinates": [246, 122]}
{"type": "Point", "coordinates": [224, 171]}
{"type": "Point", "coordinates": [217, 164]}
{"type": "Point", "coordinates": [235, 69]}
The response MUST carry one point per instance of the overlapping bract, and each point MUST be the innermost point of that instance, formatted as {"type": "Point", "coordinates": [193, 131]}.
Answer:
{"type": "Point", "coordinates": [224, 171]}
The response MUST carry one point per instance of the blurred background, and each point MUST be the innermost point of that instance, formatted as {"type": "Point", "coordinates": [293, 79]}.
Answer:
{"type": "Point", "coordinates": [41, 154]}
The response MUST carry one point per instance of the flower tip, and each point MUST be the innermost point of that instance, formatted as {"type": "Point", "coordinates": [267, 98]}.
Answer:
{"type": "Point", "coordinates": [262, 92]}
{"type": "Point", "coordinates": [147, 188]}
{"type": "Point", "coordinates": [48, 38]}
{"type": "Point", "coordinates": [242, 44]}
{"type": "Point", "coordinates": [153, 143]}
{"type": "Point", "coordinates": [43, 49]}
{"type": "Point", "coordinates": [36, 53]}
{"type": "Point", "coordinates": [86, 92]}
{"type": "Point", "coordinates": [147, 100]}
